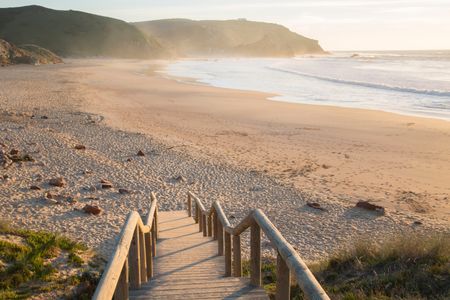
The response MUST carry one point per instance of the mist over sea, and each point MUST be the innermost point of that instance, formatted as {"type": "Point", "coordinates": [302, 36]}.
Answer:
{"type": "Point", "coordinates": [405, 82]}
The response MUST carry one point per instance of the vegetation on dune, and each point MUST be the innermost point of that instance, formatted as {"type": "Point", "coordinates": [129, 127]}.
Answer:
{"type": "Point", "coordinates": [415, 267]}
{"type": "Point", "coordinates": [36, 262]}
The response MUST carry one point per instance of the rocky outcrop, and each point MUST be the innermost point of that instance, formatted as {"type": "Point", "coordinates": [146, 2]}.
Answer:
{"type": "Point", "coordinates": [27, 54]}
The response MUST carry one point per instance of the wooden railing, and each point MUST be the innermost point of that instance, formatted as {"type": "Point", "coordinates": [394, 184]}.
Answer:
{"type": "Point", "coordinates": [132, 261]}
{"type": "Point", "coordinates": [215, 223]}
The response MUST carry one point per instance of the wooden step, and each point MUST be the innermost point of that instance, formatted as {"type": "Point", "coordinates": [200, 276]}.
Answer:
{"type": "Point", "coordinates": [187, 266]}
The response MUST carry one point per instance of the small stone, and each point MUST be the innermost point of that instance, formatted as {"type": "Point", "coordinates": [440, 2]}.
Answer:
{"type": "Point", "coordinates": [129, 159]}
{"type": "Point", "coordinates": [107, 185]}
{"type": "Point", "coordinates": [369, 206]}
{"type": "Point", "coordinates": [80, 147]}
{"type": "Point", "coordinates": [124, 191]}
{"type": "Point", "coordinates": [92, 209]}
{"type": "Point", "coordinates": [315, 205]}
{"type": "Point", "coordinates": [140, 153]}
{"type": "Point", "coordinates": [35, 187]}
{"type": "Point", "coordinates": [44, 117]}
{"type": "Point", "coordinates": [59, 182]}
{"type": "Point", "coordinates": [417, 223]}
{"type": "Point", "coordinates": [14, 152]}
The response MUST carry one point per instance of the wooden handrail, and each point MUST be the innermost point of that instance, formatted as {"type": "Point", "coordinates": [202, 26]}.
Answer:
{"type": "Point", "coordinates": [131, 264]}
{"type": "Point", "coordinates": [288, 260]}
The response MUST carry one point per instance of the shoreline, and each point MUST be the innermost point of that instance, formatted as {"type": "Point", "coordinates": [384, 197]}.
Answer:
{"type": "Point", "coordinates": [104, 105]}
{"type": "Point", "coordinates": [271, 96]}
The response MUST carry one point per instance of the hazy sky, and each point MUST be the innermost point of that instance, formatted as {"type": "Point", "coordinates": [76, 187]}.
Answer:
{"type": "Point", "coordinates": [337, 24]}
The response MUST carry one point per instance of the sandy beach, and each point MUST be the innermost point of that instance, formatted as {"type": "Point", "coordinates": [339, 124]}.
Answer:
{"type": "Point", "coordinates": [228, 145]}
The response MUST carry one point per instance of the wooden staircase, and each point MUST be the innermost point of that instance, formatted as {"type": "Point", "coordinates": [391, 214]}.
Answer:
{"type": "Point", "coordinates": [187, 266]}
{"type": "Point", "coordinates": [196, 254]}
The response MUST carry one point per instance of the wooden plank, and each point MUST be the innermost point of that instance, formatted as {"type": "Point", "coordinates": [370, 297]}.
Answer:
{"type": "Point", "coordinates": [237, 263]}
{"type": "Point", "coordinates": [189, 208]}
{"type": "Point", "coordinates": [219, 239]}
{"type": "Point", "coordinates": [255, 254]}
{"type": "Point", "coordinates": [216, 226]}
{"type": "Point", "coordinates": [227, 254]}
{"type": "Point", "coordinates": [210, 225]}
{"type": "Point", "coordinates": [306, 280]}
{"type": "Point", "coordinates": [143, 256]}
{"type": "Point", "coordinates": [121, 292]}
{"type": "Point", "coordinates": [108, 282]}
{"type": "Point", "coordinates": [204, 225]}
{"type": "Point", "coordinates": [153, 236]}
{"type": "Point", "coordinates": [148, 254]}
{"type": "Point", "coordinates": [283, 291]}
{"type": "Point", "coordinates": [135, 262]}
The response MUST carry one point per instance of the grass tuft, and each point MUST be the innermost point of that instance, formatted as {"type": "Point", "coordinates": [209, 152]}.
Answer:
{"type": "Point", "coordinates": [412, 267]}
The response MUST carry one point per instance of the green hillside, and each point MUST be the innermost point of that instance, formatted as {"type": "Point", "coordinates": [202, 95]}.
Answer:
{"type": "Point", "coordinates": [228, 38]}
{"type": "Point", "coordinates": [76, 34]}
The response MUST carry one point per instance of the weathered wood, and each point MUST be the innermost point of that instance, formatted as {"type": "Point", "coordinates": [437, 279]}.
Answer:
{"type": "Point", "coordinates": [237, 263]}
{"type": "Point", "coordinates": [108, 282]}
{"type": "Point", "coordinates": [227, 254]}
{"type": "Point", "coordinates": [156, 223]}
{"type": "Point", "coordinates": [135, 261]}
{"type": "Point", "coordinates": [143, 256]}
{"type": "Point", "coordinates": [306, 280]}
{"type": "Point", "coordinates": [255, 254]}
{"type": "Point", "coordinates": [148, 254]}
{"type": "Point", "coordinates": [189, 208]}
{"type": "Point", "coordinates": [121, 292]}
{"type": "Point", "coordinates": [197, 213]}
{"type": "Point", "coordinates": [200, 220]}
{"type": "Point", "coordinates": [204, 225]}
{"type": "Point", "coordinates": [283, 291]}
{"type": "Point", "coordinates": [153, 236]}
{"type": "Point", "coordinates": [216, 226]}
{"type": "Point", "coordinates": [219, 238]}
{"type": "Point", "coordinates": [210, 225]}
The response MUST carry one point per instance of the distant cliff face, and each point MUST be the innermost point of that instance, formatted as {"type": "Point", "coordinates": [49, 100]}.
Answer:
{"type": "Point", "coordinates": [76, 34]}
{"type": "Point", "coordinates": [27, 54]}
{"type": "Point", "coordinates": [228, 38]}
{"type": "Point", "coordinates": [79, 34]}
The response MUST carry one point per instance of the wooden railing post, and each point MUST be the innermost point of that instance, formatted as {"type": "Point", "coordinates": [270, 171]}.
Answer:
{"type": "Point", "coordinates": [156, 223]}
{"type": "Point", "coordinates": [200, 220]}
{"type": "Point", "coordinates": [121, 292]}
{"type": "Point", "coordinates": [135, 261]}
{"type": "Point", "coordinates": [255, 254]}
{"type": "Point", "coordinates": [216, 225]}
{"type": "Point", "coordinates": [148, 254]}
{"type": "Point", "coordinates": [283, 280]}
{"type": "Point", "coordinates": [189, 205]}
{"type": "Point", "coordinates": [237, 264]}
{"type": "Point", "coordinates": [227, 254]}
{"type": "Point", "coordinates": [220, 238]}
{"type": "Point", "coordinates": [204, 224]}
{"type": "Point", "coordinates": [210, 224]}
{"type": "Point", "coordinates": [197, 213]}
{"type": "Point", "coordinates": [143, 256]}
{"type": "Point", "coordinates": [153, 235]}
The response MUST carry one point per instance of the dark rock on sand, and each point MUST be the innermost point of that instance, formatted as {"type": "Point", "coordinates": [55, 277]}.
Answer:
{"type": "Point", "coordinates": [92, 209]}
{"type": "Point", "coordinates": [369, 206]}
{"type": "Point", "coordinates": [59, 182]}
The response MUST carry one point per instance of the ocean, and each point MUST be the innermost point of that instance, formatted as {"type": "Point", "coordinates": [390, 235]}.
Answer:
{"type": "Point", "coordinates": [406, 82]}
